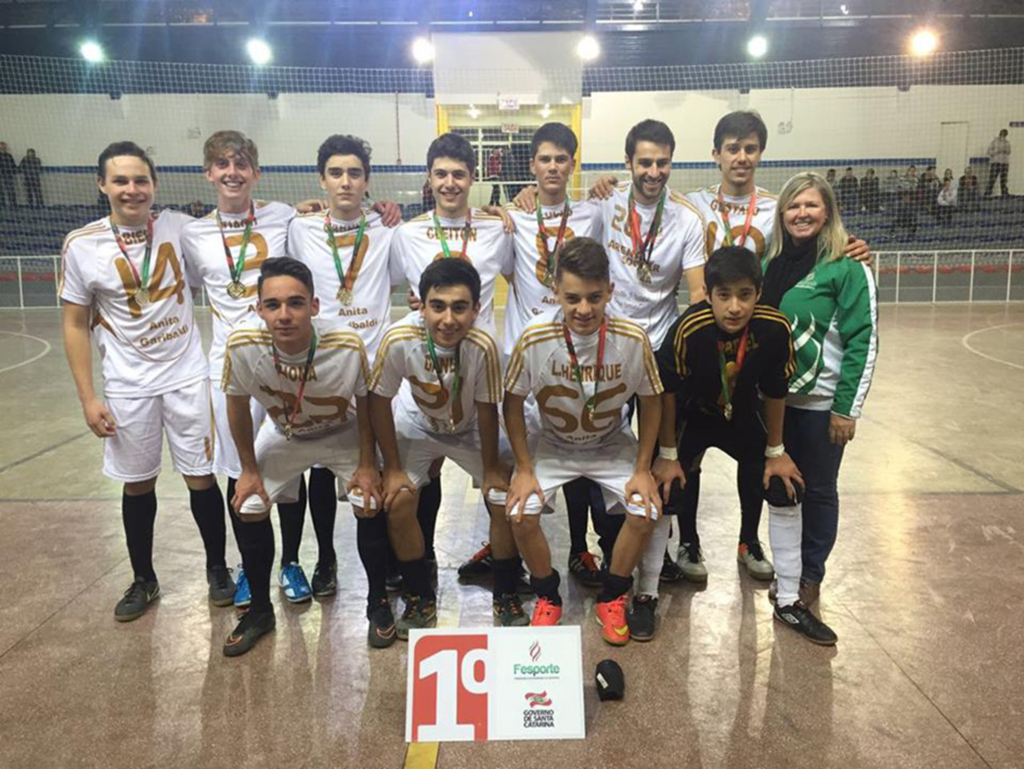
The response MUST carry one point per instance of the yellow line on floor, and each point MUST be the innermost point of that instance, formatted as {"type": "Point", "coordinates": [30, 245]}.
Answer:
{"type": "Point", "coordinates": [421, 755]}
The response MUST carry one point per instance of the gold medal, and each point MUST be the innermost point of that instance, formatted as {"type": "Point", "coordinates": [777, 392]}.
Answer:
{"type": "Point", "coordinates": [643, 272]}
{"type": "Point", "coordinates": [345, 296]}
{"type": "Point", "coordinates": [236, 289]}
{"type": "Point", "coordinates": [287, 432]}
{"type": "Point", "coordinates": [728, 412]}
{"type": "Point", "coordinates": [730, 369]}
{"type": "Point", "coordinates": [142, 297]}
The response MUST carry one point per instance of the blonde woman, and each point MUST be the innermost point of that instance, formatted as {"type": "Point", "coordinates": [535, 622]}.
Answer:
{"type": "Point", "coordinates": [831, 303]}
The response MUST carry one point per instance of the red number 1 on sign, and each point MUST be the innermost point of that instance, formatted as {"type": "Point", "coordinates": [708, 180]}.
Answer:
{"type": "Point", "coordinates": [451, 686]}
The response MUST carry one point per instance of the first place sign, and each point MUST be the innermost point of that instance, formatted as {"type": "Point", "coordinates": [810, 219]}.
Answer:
{"type": "Point", "coordinates": [520, 683]}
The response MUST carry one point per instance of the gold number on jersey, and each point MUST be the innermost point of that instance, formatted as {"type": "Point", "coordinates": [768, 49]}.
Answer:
{"type": "Point", "coordinates": [257, 241]}
{"type": "Point", "coordinates": [588, 420]}
{"type": "Point", "coordinates": [434, 398]}
{"type": "Point", "coordinates": [338, 406]}
{"type": "Point", "coordinates": [737, 231]}
{"type": "Point", "coordinates": [542, 264]}
{"type": "Point", "coordinates": [620, 217]}
{"type": "Point", "coordinates": [165, 255]}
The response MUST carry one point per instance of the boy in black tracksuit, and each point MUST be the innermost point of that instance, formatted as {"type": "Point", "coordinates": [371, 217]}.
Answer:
{"type": "Point", "coordinates": [718, 361]}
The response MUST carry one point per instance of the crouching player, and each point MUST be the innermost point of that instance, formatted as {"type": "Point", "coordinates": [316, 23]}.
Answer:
{"type": "Point", "coordinates": [446, 373]}
{"type": "Point", "coordinates": [583, 365]}
{"type": "Point", "coordinates": [305, 374]}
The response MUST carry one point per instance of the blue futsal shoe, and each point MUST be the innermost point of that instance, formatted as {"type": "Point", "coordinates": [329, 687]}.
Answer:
{"type": "Point", "coordinates": [294, 583]}
{"type": "Point", "coordinates": [243, 596]}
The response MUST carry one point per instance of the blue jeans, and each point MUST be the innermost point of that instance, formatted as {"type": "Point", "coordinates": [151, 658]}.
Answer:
{"type": "Point", "coordinates": [807, 443]}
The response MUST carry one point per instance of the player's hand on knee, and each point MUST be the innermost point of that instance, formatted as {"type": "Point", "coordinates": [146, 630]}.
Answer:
{"type": "Point", "coordinates": [526, 200]}
{"type": "Point", "coordinates": [841, 429]}
{"type": "Point", "coordinates": [784, 468]}
{"type": "Point", "coordinates": [495, 479]}
{"type": "Point", "coordinates": [99, 418]}
{"type": "Point", "coordinates": [248, 485]}
{"type": "Point", "coordinates": [394, 483]}
{"type": "Point", "coordinates": [506, 219]}
{"type": "Point", "coordinates": [604, 187]}
{"type": "Point", "coordinates": [523, 486]}
{"type": "Point", "coordinates": [366, 483]}
{"type": "Point", "coordinates": [642, 489]}
{"type": "Point", "coordinates": [666, 471]}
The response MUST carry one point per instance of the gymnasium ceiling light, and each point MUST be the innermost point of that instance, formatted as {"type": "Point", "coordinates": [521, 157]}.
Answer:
{"type": "Point", "coordinates": [923, 42]}
{"type": "Point", "coordinates": [422, 50]}
{"type": "Point", "coordinates": [259, 51]}
{"type": "Point", "coordinates": [588, 48]}
{"type": "Point", "coordinates": [757, 46]}
{"type": "Point", "coordinates": [91, 51]}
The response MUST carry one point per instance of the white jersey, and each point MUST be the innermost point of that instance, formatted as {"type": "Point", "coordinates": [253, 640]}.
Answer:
{"type": "Point", "coordinates": [540, 365]}
{"type": "Point", "coordinates": [208, 265]}
{"type": "Point", "coordinates": [338, 374]}
{"type": "Point", "coordinates": [489, 250]}
{"type": "Point", "coordinates": [678, 246]}
{"type": "Point", "coordinates": [762, 223]}
{"type": "Point", "coordinates": [147, 349]}
{"type": "Point", "coordinates": [373, 272]}
{"type": "Point", "coordinates": [530, 297]}
{"type": "Point", "coordinates": [403, 356]}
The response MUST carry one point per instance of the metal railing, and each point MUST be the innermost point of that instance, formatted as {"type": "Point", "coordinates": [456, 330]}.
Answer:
{"type": "Point", "coordinates": [913, 276]}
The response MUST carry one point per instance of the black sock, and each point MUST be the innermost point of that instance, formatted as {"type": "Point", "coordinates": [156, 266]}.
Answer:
{"type": "Point", "coordinates": [426, 513]}
{"type": "Point", "coordinates": [577, 503]}
{"type": "Point", "coordinates": [256, 543]}
{"type": "Point", "coordinates": [416, 576]}
{"type": "Point", "coordinates": [749, 483]}
{"type": "Point", "coordinates": [606, 526]}
{"type": "Point", "coordinates": [208, 511]}
{"type": "Point", "coordinates": [372, 542]}
{"type": "Point", "coordinates": [688, 508]}
{"type": "Point", "coordinates": [613, 587]}
{"type": "Point", "coordinates": [323, 509]}
{"type": "Point", "coordinates": [292, 516]}
{"type": "Point", "coordinates": [138, 513]}
{"type": "Point", "coordinates": [506, 575]}
{"type": "Point", "coordinates": [547, 587]}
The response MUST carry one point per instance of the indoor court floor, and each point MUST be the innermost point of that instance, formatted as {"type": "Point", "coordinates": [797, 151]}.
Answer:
{"type": "Point", "coordinates": [925, 590]}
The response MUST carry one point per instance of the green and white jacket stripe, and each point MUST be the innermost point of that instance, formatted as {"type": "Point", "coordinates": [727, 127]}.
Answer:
{"type": "Point", "coordinates": [833, 313]}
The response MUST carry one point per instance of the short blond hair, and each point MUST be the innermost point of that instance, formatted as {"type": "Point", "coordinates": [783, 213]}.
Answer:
{"type": "Point", "coordinates": [833, 237]}
{"type": "Point", "coordinates": [223, 142]}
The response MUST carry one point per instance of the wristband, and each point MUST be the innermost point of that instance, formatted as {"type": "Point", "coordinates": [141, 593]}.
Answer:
{"type": "Point", "coordinates": [671, 454]}
{"type": "Point", "coordinates": [774, 452]}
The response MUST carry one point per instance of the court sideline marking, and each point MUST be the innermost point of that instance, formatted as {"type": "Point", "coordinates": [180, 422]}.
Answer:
{"type": "Point", "coordinates": [966, 344]}
{"type": "Point", "coordinates": [33, 359]}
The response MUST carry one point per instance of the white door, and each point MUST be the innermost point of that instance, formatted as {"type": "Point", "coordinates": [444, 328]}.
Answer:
{"type": "Point", "coordinates": [952, 148]}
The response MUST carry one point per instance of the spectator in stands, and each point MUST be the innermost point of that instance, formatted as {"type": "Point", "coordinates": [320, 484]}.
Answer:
{"type": "Point", "coordinates": [869, 192]}
{"type": "Point", "coordinates": [494, 161]}
{"type": "Point", "coordinates": [8, 168]}
{"type": "Point", "coordinates": [830, 177]}
{"type": "Point", "coordinates": [31, 168]}
{"type": "Point", "coordinates": [998, 163]}
{"type": "Point", "coordinates": [905, 215]}
{"type": "Point", "coordinates": [946, 202]}
{"type": "Point", "coordinates": [928, 189]}
{"type": "Point", "coordinates": [947, 174]}
{"type": "Point", "coordinates": [891, 189]}
{"type": "Point", "coordinates": [847, 192]}
{"type": "Point", "coordinates": [196, 209]}
{"type": "Point", "coordinates": [967, 190]}
{"type": "Point", "coordinates": [427, 196]}
{"type": "Point", "coordinates": [909, 182]}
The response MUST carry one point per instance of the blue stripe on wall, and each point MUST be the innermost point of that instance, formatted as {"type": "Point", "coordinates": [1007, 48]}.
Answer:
{"type": "Point", "coordinates": [273, 169]}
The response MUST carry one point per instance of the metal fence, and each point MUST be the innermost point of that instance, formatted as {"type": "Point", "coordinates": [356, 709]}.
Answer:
{"type": "Point", "coordinates": [990, 275]}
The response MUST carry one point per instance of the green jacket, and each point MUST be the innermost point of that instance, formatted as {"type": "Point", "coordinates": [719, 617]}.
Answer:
{"type": "Point", "coordinates": [834, 316]}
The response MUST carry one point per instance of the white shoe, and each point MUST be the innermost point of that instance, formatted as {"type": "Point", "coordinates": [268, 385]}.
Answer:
{"type": "Point", "coordinates": [691, 561]}
{"type": "Point", "coordinates": [758, 565]}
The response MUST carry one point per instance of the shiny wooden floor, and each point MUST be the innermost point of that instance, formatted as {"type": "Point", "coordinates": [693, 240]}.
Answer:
{"type": "Point", "coordinates": [925, 589]}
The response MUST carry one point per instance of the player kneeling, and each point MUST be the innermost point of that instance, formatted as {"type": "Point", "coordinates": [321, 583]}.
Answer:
{"type": "Point", "coordinates": [305, 374]}
{"type": "Point", "coordinates": [583, 366]}
{"type": "Point", "coordinates": [447, 375]}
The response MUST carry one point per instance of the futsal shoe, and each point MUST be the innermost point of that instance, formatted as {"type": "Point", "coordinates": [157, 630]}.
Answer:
{"type": "Point", "coordinates": [243, 596]}
{"type": "Point", "coordinates": [418, 614]}
{"type": "Point", "coordinates": [222, 587]}
{"type": "Point", "coordinates": [508, 610]}
{"type": "Point", "coordinates": [546, 613]}
{"type": "Point", "coordinates": [250, 629]}
{"type": "Point", "coordinates": [611, 616]}
{"type": "Point", "coordinates": [584, 567]}
{"type": "Point", "coordinates": [670, 571]}
{"type": "Point", "coordinates": [643, 618]}
{"type": "Point", "coordinates": [382, 631]}
{"type": "Point", "coordinates": [753, 558]}
{"type": "Point", "coordinates": [137, 598]}
{"type": "Point", "coordinates": [691, 562]}
{"type": "Point", "coordinates": [325, 580]}
{"type": "Point", "coordinates": [799, 618]}
{"type": "Point", "coordinates": [293, 582]}
{"type": "Point", "coordinates": [479, 565]}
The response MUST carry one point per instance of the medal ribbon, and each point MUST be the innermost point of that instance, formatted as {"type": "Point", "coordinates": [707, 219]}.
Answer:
{"type": "Point", "coordinates": [643, 248]}
{"type": "Point", "coordinates": [237, 269]}
{"type": "Point", "coordinates": [302, 379]}
{"type": "Point", "coordinates": [574, 362]}
{"type": "Point", "coordinates": [722, 207]}
{"type": "Point", "coordinates": [347, 277]}
{"type": "Point", "coordinates": [141, 281]}
{"type": "Point", "coordinates": [456, 382]}
{"type": "Point", "coordinates": [467, 230]}
{"type": "Point", "coordinates": [549, 256]}
{"type": "Point", "coordinates": [741, 353]}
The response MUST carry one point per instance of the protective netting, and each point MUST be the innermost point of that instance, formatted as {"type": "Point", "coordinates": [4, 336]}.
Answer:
{"type": "Point", "coordinates": [880, 114]}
